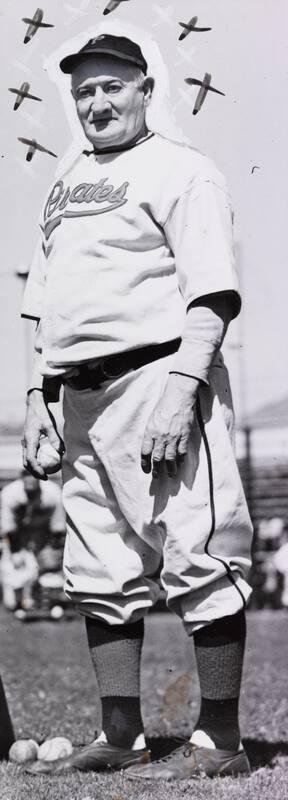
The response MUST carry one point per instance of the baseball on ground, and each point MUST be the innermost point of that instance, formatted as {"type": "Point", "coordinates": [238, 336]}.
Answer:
{"type": "Point", "coordinates": [58, 747]}
{"type": "Point", "coordinates": [23, 750]}
{"type": "Point", "coordinates": [57, 612]}
{"type": "Point", "coordinates": [48, 458]}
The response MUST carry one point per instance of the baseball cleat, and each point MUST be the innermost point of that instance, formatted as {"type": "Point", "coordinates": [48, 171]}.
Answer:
{"type": "Point", "coordinates": [190, 761]}
{"type": "Point", "coordinates": [97, 756]}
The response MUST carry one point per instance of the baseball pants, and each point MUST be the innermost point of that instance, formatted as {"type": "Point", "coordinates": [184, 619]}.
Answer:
{"type": "Point", "coordinates": [122, 524]}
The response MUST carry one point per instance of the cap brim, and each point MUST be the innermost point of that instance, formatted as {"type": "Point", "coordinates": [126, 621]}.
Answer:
{"type": "Point", "coordinates": [68, 64]}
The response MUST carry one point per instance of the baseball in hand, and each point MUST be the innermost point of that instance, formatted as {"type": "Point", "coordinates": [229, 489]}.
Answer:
{"type": "Point", "coordinates": [48, 458]}
{"type": "Point", "coordinates": [52, 749]}
{"type": "Point", "coordinates": [23, 750]}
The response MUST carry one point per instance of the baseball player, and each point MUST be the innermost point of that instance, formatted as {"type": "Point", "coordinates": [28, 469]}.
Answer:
{"type": "Point", "coordinates": [133, 288]}
{"type": "Point", "coordinates": [31, 513]}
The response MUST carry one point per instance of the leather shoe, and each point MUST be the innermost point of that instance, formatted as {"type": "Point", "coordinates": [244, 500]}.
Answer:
{"type": "Point", "coordinates": [96, 756]}
{"type": "Point", "coordinates": [190, 761]}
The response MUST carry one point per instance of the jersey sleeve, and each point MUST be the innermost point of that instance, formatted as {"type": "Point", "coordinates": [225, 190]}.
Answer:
{"type": "Point", "coordinates": [33, 294]}
{"type": "Point", "coordinates": [199, 232]}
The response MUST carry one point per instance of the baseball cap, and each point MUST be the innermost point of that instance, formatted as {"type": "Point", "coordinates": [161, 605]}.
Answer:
{"type": "Point", "coordinates": [116, 46]}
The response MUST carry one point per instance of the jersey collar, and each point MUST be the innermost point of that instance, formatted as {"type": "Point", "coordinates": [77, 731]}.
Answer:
{"type": "Point", "coordinates": [112, 150]}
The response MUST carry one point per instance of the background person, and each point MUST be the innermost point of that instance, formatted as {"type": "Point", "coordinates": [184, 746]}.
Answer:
{"type": "Point", "coordinates": [31, 513]}
{"type": "Point", "coordinates": [280, 561]}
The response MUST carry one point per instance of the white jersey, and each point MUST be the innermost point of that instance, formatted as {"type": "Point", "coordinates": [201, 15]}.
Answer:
{"type": "Point", "coordinates": [129, 240]}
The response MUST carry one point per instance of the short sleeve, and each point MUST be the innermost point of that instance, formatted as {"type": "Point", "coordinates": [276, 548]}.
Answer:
{"type": "Point", "coordinates": [33, 294]}
{"type": "Point", "coordinates": [199, 231]}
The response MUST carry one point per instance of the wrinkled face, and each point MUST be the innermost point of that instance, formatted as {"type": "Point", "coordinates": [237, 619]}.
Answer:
{"type": "Point", "coordinates": [111, 98]}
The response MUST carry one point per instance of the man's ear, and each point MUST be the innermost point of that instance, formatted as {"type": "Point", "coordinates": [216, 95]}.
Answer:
{"type": "Point", "coordinates": [148, 86]}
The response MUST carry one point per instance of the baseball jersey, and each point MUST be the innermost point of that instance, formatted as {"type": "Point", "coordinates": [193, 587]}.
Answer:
{"type": "Point", "coordinates": [129, 240]}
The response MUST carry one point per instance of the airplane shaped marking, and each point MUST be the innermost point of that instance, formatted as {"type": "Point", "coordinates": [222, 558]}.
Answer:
{"type": "Point", "coordinates": [33, 145]}
{"type": "Point", "coordinates": [204, 88]}
{"type": "Point", "coordinates": [34, 24]}
{"type": "Point", "coordinates": [189, 27]}
{"type": "Point", "coordinates": [22, 93]}
{"type": "Point", "coordinates": [112, 5]}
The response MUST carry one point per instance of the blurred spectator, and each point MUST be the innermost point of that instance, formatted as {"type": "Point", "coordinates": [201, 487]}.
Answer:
{"type": "Point", "coordinates": [19, 573]}
{"type": "Point", "coordinates": [50, 580]}
{"type": "Point", "coordinates": [265, 574]}
{"type": "Point", "coordinates": [281, 565]}
{"type": "Point", "coordinates": [270, 587]}
{"type": "Point", "coordinates": [33, 529]}
{"type": "Point", "coordinates": [271, 529]}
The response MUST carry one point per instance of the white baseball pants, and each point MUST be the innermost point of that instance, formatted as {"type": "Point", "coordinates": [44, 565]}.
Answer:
{"type": "Point", "coordinates": [122, 522]}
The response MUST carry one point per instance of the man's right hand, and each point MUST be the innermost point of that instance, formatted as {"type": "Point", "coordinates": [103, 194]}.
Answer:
{"type": "Point", "coordinates": [39, 422]}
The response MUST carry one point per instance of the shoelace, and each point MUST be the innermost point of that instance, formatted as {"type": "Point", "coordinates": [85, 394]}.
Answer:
{"type": "Point", "coordinates": [187, 749]}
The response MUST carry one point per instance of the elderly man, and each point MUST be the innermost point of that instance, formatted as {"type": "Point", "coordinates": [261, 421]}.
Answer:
{"type": "Point", "coordinates": [133, 289]}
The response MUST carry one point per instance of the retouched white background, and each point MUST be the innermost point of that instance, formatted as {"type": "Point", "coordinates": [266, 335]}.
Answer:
{"type": "Point", "coordinates": [247, 54]}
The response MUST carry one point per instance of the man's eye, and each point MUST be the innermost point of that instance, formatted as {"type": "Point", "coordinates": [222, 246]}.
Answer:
{"type": "Point", "coordinates": [113, 88]}
{"type": "Point", "coordinates": [83, 93]}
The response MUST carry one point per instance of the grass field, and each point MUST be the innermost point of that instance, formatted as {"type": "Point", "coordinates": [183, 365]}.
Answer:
{"type": "Point", "coordinates": [51, 691]}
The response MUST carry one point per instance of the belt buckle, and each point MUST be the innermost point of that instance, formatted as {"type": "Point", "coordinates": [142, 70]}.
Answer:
{"type": "Point", "coordinates": [110, 375]}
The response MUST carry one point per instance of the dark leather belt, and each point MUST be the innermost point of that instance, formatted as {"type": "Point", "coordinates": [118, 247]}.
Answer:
{"type": "Point", "coordinates": [91, 377]}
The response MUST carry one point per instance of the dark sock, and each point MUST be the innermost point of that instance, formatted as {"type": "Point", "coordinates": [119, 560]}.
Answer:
{"type": "Point", "coordinates": [122, 721]}
{"type": "Point", "coordinates": [116, 652]}
{"type": "Point", "coordinates": [219, 719]}
{"type": "Point", "coordinates": [219, 649]}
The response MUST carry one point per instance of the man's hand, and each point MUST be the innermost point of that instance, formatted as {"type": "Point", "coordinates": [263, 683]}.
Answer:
{"type": "Point", "coordinates": [167, 432]}
{"type": "Point", "coordinates": [39, 422]}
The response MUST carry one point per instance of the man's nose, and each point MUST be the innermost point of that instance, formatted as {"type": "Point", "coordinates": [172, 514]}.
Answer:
{"type": "Point", "coordinates": [100, 101]}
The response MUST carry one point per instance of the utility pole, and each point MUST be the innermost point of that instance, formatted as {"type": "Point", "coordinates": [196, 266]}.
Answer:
{"type": "Point", "coordinates": [22, 273]}
{"type": "Point", "coordinates": [239, 347]}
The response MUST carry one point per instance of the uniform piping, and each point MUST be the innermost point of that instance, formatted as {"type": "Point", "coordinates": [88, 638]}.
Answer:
{"type": "Point", "coordinates": [229, 572]}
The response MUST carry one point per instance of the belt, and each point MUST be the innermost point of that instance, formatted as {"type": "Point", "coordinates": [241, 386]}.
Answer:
{"type": "Point", "coordinates": [113, 367]}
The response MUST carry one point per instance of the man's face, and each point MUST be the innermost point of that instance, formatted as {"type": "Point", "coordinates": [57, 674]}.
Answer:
{"type": "Point", "coordinates": [110, 101]}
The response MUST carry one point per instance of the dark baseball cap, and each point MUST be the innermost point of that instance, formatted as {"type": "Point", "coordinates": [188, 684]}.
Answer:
{"type": "Point", "coordinates": [116, 46]}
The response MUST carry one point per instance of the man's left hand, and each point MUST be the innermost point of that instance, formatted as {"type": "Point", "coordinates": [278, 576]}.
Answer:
{"type": "Point", "coordinates": [168, 430]}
